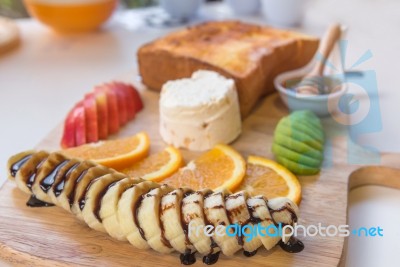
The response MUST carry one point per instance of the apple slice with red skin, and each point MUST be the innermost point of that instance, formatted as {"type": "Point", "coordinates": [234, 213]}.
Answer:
{"type": "Point", "coordinates": [137, 100]}
{"type": "Point", "coordinates": [122, 103]}
{"type": "Point", "coordinates": [92, 129]}
{"type": "Point", "coordinates": [102, 114]}
{"type": "Point", "coordinates": [80, 123]}
{"type": "Point", "coordinates": [68, 138]}
{"type": "Point", "coordinates": [136, 97]}
{"type": "Point", "coordinates": [129, 98]}
{"type": "Point", "coordinates": [112, 108]}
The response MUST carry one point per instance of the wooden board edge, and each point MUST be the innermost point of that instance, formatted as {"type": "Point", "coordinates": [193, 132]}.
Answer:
{"type": "Point", "coordinates": [379, 175]}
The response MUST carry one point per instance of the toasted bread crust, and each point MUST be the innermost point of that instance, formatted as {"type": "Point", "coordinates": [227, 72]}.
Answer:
{"type": "Point", "coordinates": [250, 54]}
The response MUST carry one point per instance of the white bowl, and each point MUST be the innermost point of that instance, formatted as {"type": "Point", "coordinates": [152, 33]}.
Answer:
{"type": "Point", "coordinates": [179, 9]}
{"type": "Point", "coordinates": [241, 7]}
{"type": "Point", "coordinates": [321, 105]}
{"type": "Point", "coordinates": [283, 12]}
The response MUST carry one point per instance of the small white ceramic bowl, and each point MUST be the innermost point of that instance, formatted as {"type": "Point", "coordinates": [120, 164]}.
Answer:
{"type": "Point", "coordinates": [285, 13]}
{"type": "Point", "coordinates": [241, 7]}
{"type": "Point", "coordinates": [179, 9]}
{"type": "Point", "coordinates": [321, 105]}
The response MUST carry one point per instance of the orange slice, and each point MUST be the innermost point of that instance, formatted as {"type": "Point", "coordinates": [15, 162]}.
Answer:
{"type": "Point", "coordinates": [117, 154]}
{"type": "Point", "coordinates": [269, 178]}
{"type": "Point", "coordinates": [221, 167]}
{"type": "Point", "coordinates": [157, 166]}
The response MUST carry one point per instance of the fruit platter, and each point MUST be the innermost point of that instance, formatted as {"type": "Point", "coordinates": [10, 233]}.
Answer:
{"type": "Point", "coordinates": [138, 169]}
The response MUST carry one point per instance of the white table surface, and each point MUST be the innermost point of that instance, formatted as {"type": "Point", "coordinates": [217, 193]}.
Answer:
{"type": "Point", "coordinates": [48, 73]}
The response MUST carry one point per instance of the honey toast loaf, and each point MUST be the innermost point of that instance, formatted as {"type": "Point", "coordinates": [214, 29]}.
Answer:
{"type": "Point", "coordinates": [250, 54]}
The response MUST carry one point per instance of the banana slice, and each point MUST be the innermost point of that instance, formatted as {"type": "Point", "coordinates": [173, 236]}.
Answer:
{"type": "Point", "coordinates": [127, 213]}
{"type": "Point", "coordinates": [92, 197]}
{"type": "Point", "coordinates": [239, 214]}
{"type": "Point", "coordinates": [283, 211]}
{"type": "Point", "coordinates": [260, 215]}
{"type": "Point", "coordinates": [175, 228]}
{"type": "Point", "coordinates": [45, 177]}
{"type": "Point", "coordinates": [148, 213]}
{"type": "Point", "coordinates": [77, 196]}
{"type": "Point", "coordinates": [16, 162]}
{"type": "Point", "coordinates": [195, 221]}
{"type": "Point", "coordinates": [109, 207]}
{"type": "Point", "coordinates": [26, 175]}
{"type": "Point", "coordinates": [59, 181]}
{"type": "Point", "coordinates": [151, 215]}
{"type": "Point", "coordinates": [215, 211]}
{"type": "Point", "coordinates": [66, 195]}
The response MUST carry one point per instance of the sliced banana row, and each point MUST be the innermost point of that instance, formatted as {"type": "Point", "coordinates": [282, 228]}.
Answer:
{"type": "Point", "coordinates": [150, 215]}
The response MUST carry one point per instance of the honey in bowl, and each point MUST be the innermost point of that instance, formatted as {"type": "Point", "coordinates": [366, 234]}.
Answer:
{"type": "Point", "coordinates": [71, 15]}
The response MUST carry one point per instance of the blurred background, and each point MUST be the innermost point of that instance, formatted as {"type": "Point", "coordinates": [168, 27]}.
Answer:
{"type": "Point", "coordinates": [13, 9]}
{"type": "Point", "coordinates": [16, 9]}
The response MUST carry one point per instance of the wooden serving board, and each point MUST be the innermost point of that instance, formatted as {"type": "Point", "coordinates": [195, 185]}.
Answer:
{"type": "Point", "coordinates": [53, 237]}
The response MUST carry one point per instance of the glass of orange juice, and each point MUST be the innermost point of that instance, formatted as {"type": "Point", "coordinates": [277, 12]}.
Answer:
{"type": "Point", "coordinates": [71, 15]}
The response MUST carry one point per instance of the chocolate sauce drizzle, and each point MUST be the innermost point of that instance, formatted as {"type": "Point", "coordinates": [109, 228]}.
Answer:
{"type": "Point", "coordinates": [71, 196]}
{"type": "Point", "coordinates": [210, 259]}
{"type": "Point", "coordinates": [33, 202]}
{"type": "Point", "coordinates": [17, 165]}
{"type": "Point", "coordinates": [249, 253]}
{"type": "Point", "coordinates": [252, 219]}
{"type": "Point", "coordinates": [188, 258]}
{"type": "Point", "coordinates": [184, 224]}
{"type": "Point", "coordinates": [164, 240]}
{"type": "Point", "coordinates": [99, 198]}
{"type": "Point", "coordinates": [59, 187]}
{"type": "Point", "coordinates": [239, 237]}
{"type": "Point", "coordinates": [49, 180]}
{"type": "Point", "coordinates": [32, 177]}
{"type": "Point", "coordinates": [135, 215]}
{"type": "Point", "coordinates": [82, 198]}
{"type": "Point", "coordinates": [31, 180]}
{"type": "Point", "coordinates": [292, 246]}
{"type": "Point", "coordinates": [288, 208]}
